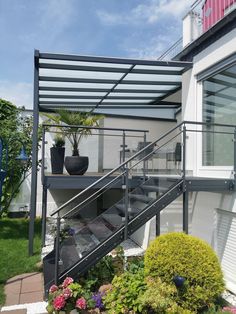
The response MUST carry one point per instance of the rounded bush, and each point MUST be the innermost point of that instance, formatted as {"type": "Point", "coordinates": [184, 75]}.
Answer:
{"type": "Point", "coordinates": [178, 254]}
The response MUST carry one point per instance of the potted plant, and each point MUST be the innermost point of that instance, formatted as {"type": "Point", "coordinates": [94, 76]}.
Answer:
{"type": "Point", "coordinates": [76, 164]}
{"type": "Point", "coordinates": [58, 154]}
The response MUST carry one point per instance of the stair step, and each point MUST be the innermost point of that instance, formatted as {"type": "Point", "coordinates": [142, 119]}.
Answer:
{"type": "Point", "coordinates": [141, 198]}
{"type": "Point", "coordinates": [153, 188]}
{"type": "Point", "coordinates": [131, 211]}
{"type": "Point", "coordinates": [113, 218]}
{"type": "Point", "coordinates": [85, 241]}
{"type": "Point", "coordinates": [100, 228]}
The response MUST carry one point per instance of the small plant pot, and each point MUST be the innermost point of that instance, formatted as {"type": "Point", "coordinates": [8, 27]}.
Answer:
{"type": "Point", "coordinates": [57, 159]}
{"type": "Point", "coordinates": [76, 165]}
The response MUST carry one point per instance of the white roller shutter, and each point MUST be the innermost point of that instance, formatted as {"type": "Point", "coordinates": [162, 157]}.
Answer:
{"type": "Point", "coordinates": [225, 245]}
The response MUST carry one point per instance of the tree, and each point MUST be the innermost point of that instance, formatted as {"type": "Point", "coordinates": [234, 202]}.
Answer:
{"type": "Point", "coordinates": [16, 130]}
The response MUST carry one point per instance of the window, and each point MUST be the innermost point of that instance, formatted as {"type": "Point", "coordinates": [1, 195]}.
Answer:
{"type": "Point", "coordinates": [219, 106]}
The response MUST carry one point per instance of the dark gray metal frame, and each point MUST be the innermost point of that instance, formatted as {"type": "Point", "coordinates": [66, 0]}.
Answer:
{"type": "Point", "coordinates": [39, 104]}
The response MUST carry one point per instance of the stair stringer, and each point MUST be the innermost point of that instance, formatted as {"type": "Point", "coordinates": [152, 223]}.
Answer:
{"type": "Point", "coordinates": [117, 237]}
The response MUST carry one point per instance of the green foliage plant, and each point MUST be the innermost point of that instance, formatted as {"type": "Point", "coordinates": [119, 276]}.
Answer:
{"type": "Point", "coordinates": [59, 141]}
{"type": "Point", "coordinates": [100, 274]}
{"type": "Point", "coordinates": [16, 128]}
{"type": "Point", "coordinates": [179, 254]}
{"type": "Point", "coordinates": [126, 292]}
{"type": "Point", "coordinates": [160, 298]}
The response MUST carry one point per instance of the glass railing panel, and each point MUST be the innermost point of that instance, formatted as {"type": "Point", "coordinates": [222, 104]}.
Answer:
{"type": "Point", "coordinates": [105, 148]}
{"type": "Point", "coordinates": [217, 146]}
{"type": "Point", "coordinates": [164, 158]}
{"type": "Point", "coordinates": [147, 193]}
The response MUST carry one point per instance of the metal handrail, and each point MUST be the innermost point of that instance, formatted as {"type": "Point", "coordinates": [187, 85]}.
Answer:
{"type": "Point", "coordinates": [123, 164]}
{"type": "Point", "coordinates": [94, 128]}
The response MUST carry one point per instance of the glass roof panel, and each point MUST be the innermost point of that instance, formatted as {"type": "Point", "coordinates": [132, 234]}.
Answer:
{"type": "Point", "coordinates": [136, 94]}
{"type": "Point", "coordinates": [70, 100]}
{"type": "Point", "coordinates": [86, 63]}
{"type": "Point", "coordinates": [157, 67]}
{"type": "Point", "coordinates": [45, 92]}
{"type": "Point", "coordinates": [75, 85]}
{"type": "Point", "coordinates": [146, 87]}
{"type": "Point", "coordinates": [153, 77]}
{"type": "Point", "coordinates": [81, 74]}
{"type": "Point", "coordinates": [125, 101]}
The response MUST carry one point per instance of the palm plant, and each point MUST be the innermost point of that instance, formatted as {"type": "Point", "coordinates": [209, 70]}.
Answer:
{"type": "Point", "coordinates": [76, 132]}
{"type": "Point", "coordinates": [76, 121]}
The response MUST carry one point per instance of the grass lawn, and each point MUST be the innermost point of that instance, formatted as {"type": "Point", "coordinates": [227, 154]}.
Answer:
{"type": "Point", "coordinates": [14, 259]}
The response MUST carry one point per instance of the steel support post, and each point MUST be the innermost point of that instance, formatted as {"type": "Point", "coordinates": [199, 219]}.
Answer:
{"type": "Point", "coordinates": [126, 202]}
{"type": "Point", "coordinates": [44, 214]}
{"type": "Point", "coordinates": [57, 251]}
{"type": "Point", "coordinates": [185, 191]}
{"type": "Point", "coordinates": [185, 211]}
{"type": "Point", "coordinates": [33, 197]}
{"type": "Point", "coordinates": [158, 223]}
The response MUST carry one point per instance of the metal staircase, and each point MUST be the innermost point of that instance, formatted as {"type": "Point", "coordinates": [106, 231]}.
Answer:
{"type": "Point", "coordinates": [95, 236]}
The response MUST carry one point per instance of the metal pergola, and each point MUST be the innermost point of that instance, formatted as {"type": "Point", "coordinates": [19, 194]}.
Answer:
{"type": "Point", "coordinates": [91, 83]}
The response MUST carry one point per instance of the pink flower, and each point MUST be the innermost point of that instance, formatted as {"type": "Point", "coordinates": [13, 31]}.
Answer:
{"type": "Point", "coordinates": [81, 303]}
{"type": "Point", "coordinates": [59, 302]}
{"type": "Point", "coordinates": [53, 288]}
{"type": "Point", "coordinates": [67, 293]}
{"type": "Point", "coordinates": [67, 282]}
{"type": "Point", "coordinates": [229, 309]}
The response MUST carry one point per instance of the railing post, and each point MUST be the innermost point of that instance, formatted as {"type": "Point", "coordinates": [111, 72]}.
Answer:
{"type": "Point", "coordinates": [126, 202]}
{"type": "Point", "coordinates": [57, 251]}
{"type": "Point", "coordinates": [123, 154]}
{"type": "Point", "coordinates": [145, 161]}
{"type": "Point", "coordinates": [235, 158]}
{"type": "Point", "coordinates": [43, 155]}
{"type": "Point", "coordinates": [185, 191]}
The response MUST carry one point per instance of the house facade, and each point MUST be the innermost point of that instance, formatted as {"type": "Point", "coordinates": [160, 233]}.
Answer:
{"type": "Point", "coordinates": [209, 95]}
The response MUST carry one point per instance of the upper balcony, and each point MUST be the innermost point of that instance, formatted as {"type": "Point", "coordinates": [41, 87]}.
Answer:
{"type": "Point", "coordinates": [202, 17]}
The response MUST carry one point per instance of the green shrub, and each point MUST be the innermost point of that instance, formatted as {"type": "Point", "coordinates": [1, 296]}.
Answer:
{"type": "Point", "coordinates": [125, 294]}
{"type": "Point", "coordinates": [183, 255]}
{"type": "Point", "coordinates": [160, 298]}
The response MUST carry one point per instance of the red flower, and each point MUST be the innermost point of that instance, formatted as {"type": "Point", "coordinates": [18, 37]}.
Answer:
{"type": "Point", "coordinates": [67, 282]}
{"type": "Point", "coordinates": [81, 303]}
{"type": "Point", "coordinates": [59, 302]}
{"type": "Point", "coordinates": [67, 293]}
{"type": "Point", "coordinates": [53, 288]}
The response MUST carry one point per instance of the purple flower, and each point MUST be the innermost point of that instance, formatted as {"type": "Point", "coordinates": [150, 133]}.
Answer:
{"type": "Point", "coordinates": [97, 298]}
{"type": "Point", "coordinates": [71, 231]}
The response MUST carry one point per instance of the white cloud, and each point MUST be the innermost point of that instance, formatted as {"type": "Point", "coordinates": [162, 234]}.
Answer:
{"type": "Point", "coordinates": [153, 50]}
{"type": "Point", "coordinates": [20, 94]}
{"type": "Point", "coordinates": [151, 12]}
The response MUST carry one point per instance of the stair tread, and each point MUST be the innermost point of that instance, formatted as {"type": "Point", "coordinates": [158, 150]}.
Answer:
{"type": "Point", "coordinates": [141, 198]}
{"type": "Point", "coordinates": [131, 210]}
{"type": "Point", "coordinates": [100, 229]}
{"type": "Point", "coordinates": [154, 188]}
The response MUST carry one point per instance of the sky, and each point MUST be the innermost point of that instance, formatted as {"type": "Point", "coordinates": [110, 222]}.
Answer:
{"type": "Point", "coordinates": [117, 28]}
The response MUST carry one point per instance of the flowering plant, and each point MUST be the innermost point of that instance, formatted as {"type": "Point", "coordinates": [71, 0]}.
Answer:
{"type": "Point", "coordinates": [69, 296]}
{"type": "Point", "coordinates": [229, 309]}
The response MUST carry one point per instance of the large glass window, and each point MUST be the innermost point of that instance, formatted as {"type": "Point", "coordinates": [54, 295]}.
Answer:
{"type": "Point", "coordinates": [219, 106]}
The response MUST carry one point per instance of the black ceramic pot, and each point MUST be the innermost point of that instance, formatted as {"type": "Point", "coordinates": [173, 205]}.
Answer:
{"type": "Point", "coordinates": [76, 165]}
{"type": "Point", "coordinates": [57, 159]}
